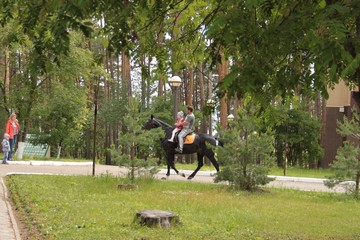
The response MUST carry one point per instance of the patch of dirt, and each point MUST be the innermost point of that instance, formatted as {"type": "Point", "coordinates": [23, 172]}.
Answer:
{"type": "Point", "coordinates": [25, 232]}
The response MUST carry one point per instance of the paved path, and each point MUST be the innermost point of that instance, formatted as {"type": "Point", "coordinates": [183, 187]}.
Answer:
{"type": "Point", "coordinates": [9, 229]}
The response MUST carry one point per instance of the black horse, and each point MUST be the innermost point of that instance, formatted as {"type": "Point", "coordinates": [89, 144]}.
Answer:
{"type": "Point", "coordinates": [198, 146]}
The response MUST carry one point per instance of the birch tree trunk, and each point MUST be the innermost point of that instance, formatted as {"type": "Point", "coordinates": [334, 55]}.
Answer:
{"type": "Point", "coordinates": [59, 152]}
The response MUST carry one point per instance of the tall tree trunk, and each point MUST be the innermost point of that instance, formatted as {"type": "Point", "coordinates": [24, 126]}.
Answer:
{"type": "Point", "coordinates": [161, 85]}
{"type": "Point", "coordinates": [223, 71]}
{"type": "Point", "coordinates": [307, 102]}
{"type": "Point", "coordinates": [125, 73]}
{"type": "Point", "coordinates": [117, 96]}
{"type": "Point", "coordinates": [317, 107]}
{"type": "Point", "coordinates": [113, 126]}
{"type": "Point", "coordinates": [88, 128]}
{"type": "Point", "coordinates": [190, 98]}
{"type": "Point", "coordinates": [236, 106]}
{"type": "Point", "coordinates": [354, 53]}
{"type": "Point", "coordinates": [88, 143]}
{"type": "Point", "coordinates": [148, 85]}
{"type": "Point", "coordinates": [323, 126]}
{"type": "Point", "coordinates": [59, 152]}
{"type": "Point", "coordinates": [126, 82]}
{"type": "Point", "coordinates": [200, 76]}
{"type": "Point", "coordinates": [7, 76]}
{"type": "Point", "coordinates": [185, 86]}
{"type": "Point", "coordinates": [90, 99]}
{"type": "Point", "coordinates": [107, 99]}
{"type": "Point", "coordinates": [144, 76]}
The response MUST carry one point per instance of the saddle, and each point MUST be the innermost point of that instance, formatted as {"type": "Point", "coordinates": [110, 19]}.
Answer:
{"type": "Point", "coordinates": [189, 139]}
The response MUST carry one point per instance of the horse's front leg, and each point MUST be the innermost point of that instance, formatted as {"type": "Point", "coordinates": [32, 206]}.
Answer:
{"type": "Point", "coordinates": [200, 158]}
{"type": "Point", "coordinates": [171, 164]}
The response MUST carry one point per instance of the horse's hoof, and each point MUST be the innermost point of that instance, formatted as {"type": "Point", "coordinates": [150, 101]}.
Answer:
{"type": "Point", "coordinates": [190, 177]}
{"type": "Point", "coordinates": [163, 178]}
{"type": "Point", "coordinates": [182, 174]}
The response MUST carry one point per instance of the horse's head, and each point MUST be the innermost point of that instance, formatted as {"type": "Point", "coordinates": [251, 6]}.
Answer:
{"type": "Point", "coordinates": [151, 123]}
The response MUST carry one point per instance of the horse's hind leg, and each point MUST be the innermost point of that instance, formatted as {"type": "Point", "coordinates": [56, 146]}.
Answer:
{"type": "Point", "coordinates": [210, 154]}
{"type": "Point", "coordinates": [168, 170]}
{"type": "Point", "coordinates": [200, 158]}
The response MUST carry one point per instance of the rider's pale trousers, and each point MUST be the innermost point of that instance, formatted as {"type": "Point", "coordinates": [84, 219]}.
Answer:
{"type": "Point", "coordinates": [182, 135]}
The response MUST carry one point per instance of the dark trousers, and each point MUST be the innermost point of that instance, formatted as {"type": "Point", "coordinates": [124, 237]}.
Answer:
{"type": "Point", "coordinates": [11, 141]}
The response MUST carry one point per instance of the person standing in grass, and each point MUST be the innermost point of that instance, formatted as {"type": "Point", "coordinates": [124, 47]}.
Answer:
{"type": "Point", "coordinates": [12, 128]}
{"type": "Point", "coordinates": [5, 147]}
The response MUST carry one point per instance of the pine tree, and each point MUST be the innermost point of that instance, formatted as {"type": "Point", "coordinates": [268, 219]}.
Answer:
{"type": "Point", "coordinates": [247, 152]}
{"type": "Point", "coordinates": [134, 140]}
{"type": "Point", "coordinates": [347, 165]}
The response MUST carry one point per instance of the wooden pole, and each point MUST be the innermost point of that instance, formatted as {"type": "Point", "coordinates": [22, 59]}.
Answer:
{"type": "Point", "coordinates": [96, 91]}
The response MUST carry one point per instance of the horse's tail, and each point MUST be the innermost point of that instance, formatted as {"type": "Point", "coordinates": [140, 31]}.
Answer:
{"type": "Point", "coordinates": [213, 141]}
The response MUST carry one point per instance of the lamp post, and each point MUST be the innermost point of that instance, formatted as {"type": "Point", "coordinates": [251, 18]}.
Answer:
{"type": "Point", "coordinates": [175, 82]}
{"type": "Point", "coordinates": [210, 103]}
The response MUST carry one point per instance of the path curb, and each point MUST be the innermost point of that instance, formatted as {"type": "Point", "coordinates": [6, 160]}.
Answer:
{"type": "Point", "coordinates": [10, 211]}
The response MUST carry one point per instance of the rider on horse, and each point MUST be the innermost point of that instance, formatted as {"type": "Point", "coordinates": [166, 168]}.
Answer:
{"type": "Point", "coordinates": [188, 127]}
{"type": "Point", "coordinates": [178, 126]}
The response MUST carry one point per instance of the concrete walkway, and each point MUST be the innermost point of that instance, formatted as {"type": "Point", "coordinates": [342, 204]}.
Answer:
{"type": "Point", "coordinates": [9, 229]}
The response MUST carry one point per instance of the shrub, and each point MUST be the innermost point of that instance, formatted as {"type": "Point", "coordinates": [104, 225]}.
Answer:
{"type": "Point", "coordinates": [347, 165]}
{"type": "Point", "coordinates": [247, 154]}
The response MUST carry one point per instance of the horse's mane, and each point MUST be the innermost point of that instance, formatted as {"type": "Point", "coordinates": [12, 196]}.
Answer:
{"type": "Point", "coordinates": [162, 123]}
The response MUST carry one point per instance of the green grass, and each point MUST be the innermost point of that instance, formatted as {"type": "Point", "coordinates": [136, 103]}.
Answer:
{"type": "Point", "coordinates": [291, 172]}
{"type": "Point", "coordinates": [301, 172]}
{"type": "Point", "coordinates": [85, 207]}
{"type": "Point", "coordinates": [35, 158]}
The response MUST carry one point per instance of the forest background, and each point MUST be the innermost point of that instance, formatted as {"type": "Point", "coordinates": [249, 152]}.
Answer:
{"type": "Point", "coordinates": [63, 61]}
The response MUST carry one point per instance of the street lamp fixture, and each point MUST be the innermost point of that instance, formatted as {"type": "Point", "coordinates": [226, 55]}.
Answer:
{"type": "Point", "coordinates": [175, 82]}
{"type": "Point", "coordinates": [210, 103]}
{"type": "Point", "coordinates": [230, 118]}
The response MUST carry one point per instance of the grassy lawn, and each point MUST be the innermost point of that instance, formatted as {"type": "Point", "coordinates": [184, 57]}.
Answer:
{"type": "Point", "coordinates": [301, 172]}
{"type": "Point", "coordinates": [35, 158]}
{"type": "Point", "coordinates": [85, 207]}
{"type": "Point", "coordinates": [291, 172]}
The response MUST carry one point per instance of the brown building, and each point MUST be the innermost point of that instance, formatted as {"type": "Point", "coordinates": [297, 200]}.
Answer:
{"type": "Point", "coordinates": [339, 104]}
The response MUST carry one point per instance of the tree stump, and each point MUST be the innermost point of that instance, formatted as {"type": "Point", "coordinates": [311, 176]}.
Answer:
{"type": "Point", "coordinates": [157, 218]}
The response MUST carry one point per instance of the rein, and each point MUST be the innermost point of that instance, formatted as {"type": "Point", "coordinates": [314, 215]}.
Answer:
{"type": "Point", "coordinates": [163, 125]}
